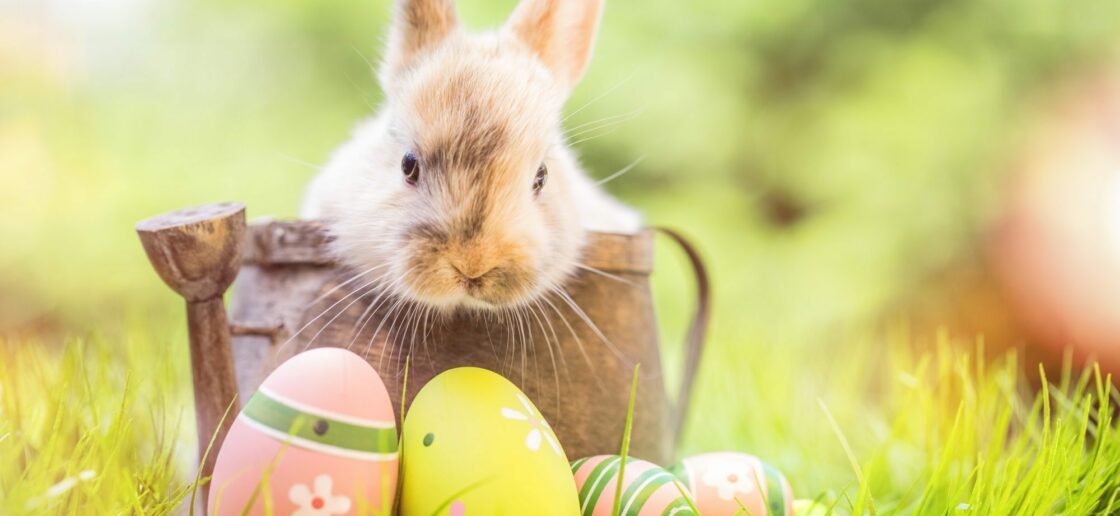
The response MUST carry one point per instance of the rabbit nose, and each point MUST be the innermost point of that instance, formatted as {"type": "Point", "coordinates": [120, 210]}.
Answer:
{"type": "Point", "coordinates": [472, 270]}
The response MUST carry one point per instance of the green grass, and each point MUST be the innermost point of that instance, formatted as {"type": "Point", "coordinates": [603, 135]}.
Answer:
{"type": "Point", "coordinates": [239, 102]}
{"type": "Point", "coordinates": [92, 427]}
{"type": "Point", "coordinates": [625, 452]}
{"type": "Point", "coordinates": [98, 426]}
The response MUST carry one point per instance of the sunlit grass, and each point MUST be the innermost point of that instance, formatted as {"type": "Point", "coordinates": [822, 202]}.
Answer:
{"type": "Point", "coordinates": [964, 434]}
{"type": "Point", "coordinates": [98, 426]}
{"type": "Point", "coordinates": [858, 122]}
{"type": "Point", "coordinates": [92, 427]}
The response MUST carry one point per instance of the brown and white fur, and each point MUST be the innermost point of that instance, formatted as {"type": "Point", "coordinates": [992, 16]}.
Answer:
{"type": "Point", "coordinates": [479, 114]}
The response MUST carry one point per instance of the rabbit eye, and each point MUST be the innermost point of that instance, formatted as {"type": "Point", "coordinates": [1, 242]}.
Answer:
{"type": "Point", "coordinates": [410, 166]}
{"type": "Point", "coordinates": [540, 179]}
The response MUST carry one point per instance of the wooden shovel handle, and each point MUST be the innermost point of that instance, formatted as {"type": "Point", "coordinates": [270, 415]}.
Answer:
{"type": "Point", "coordinates": [697, 331]}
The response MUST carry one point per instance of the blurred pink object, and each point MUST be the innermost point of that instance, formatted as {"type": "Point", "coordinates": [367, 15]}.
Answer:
{"type": "Point", "coordinates": [1057, 247]}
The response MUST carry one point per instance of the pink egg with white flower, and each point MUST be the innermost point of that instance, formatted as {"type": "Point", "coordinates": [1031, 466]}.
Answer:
{"type": "Point", "coordinates": [318, 438]}
{"type": "Point", "coordinates": [647, 489]}
{"type": "Point", "coordinates": [724, 483]}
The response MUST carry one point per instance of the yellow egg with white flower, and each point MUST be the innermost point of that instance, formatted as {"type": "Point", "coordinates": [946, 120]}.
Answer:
{"type": "Point", "coordinates": [473, 443]}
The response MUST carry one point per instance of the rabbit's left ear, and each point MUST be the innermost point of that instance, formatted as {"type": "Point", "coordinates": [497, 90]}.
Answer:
{"type": "Point", "coordinates": [561, 32]}
{"type": "Point", "coordinates": [418, 27]}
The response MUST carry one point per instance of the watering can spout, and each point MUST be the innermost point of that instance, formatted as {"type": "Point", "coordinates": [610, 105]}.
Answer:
{"type": "Point", "coordinates": [197, 252]}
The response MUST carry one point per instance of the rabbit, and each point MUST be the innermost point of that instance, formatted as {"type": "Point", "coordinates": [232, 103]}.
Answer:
{"type": "Point", "coordinates": [461, 192]}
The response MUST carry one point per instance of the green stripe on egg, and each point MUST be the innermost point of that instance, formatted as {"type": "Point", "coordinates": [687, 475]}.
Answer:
{"type": "Point", "coordinates": [775, 494]}
{"type": "Point", "coordinates": [317, 429]}
{"type": "Point", "coordinates": [679, 507]}
{"type": "Point", "coordinates": [597, 482]}
{"type": "Point", "coordinates": [643, 487]}
{"type": "Point", "coordinates": [576, 465]}
{"type": "Point", "coordinates": [678, 470]}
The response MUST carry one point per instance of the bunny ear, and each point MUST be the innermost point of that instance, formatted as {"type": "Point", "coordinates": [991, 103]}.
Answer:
{"type": "Point", "coordinates": [561, 32]}
{"type": "Point", "coordinates": [418, 27]}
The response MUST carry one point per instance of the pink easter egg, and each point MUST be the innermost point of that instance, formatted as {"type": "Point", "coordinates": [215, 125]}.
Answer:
{"type": "Point", "coordinates": [724, 483]}
{"type": "Point", "coordinates": [647, 489]}
{"type": "Point", "coordinates": [318, 437]}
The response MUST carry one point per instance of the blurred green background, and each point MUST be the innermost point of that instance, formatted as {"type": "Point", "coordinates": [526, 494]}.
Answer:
{"type": "Point", "coordinates": [833, 160]}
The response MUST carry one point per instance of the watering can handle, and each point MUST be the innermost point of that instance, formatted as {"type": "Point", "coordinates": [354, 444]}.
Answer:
{"type": "Point", "coordinates": [697, 331]}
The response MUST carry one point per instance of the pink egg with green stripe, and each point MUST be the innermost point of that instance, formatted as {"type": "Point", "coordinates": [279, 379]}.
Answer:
{"type": "Point", "coordinates": [728, 483]}
{"type": "Point", "coordinates": [318, 437]}
{"type": "Point", "coordinates": [647, 489]}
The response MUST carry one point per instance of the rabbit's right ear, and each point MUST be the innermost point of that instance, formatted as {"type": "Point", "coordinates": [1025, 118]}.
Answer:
{"type": "Point", "coordinates": [418, 27]}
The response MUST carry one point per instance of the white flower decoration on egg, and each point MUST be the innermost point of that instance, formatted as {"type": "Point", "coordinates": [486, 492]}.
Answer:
{"type": "Point", "coordinates": [729, 478]}
{"type": "Point", "coordinates": [540, 429]}
{"type": "Point", "coordinates": [320, 502]}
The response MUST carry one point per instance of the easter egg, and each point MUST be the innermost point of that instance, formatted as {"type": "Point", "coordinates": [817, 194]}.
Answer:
{"type": "Point", "coordinates": [647, 489]}
{"type": "Point", "coordinates": [473, 444]}
{"type": "Point", "coordinates": [726, 482]}
{"type": "Point", "coordinates": [318, 437]}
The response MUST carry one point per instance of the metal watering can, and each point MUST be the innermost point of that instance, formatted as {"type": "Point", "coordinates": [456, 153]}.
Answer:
{"type": "Point", "coordinates": [574, 358]}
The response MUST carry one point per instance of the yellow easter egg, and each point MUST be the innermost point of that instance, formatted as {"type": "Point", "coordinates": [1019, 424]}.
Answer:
{"type": "Point", "coordinates": [473, 443]}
